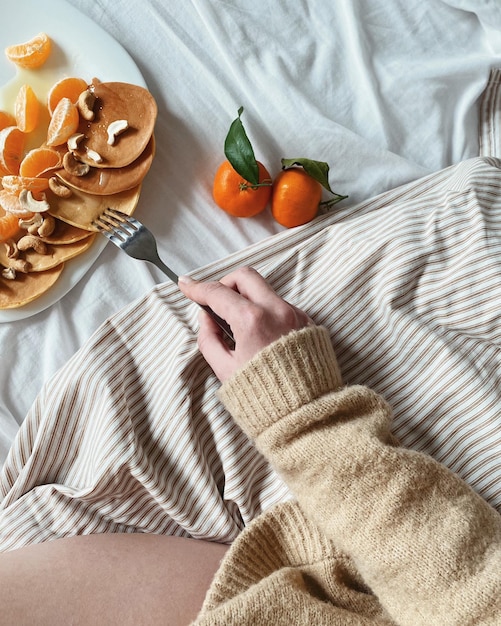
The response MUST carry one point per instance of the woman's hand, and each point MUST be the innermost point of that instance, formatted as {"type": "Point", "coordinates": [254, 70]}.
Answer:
{"type": "Point", "coordinates": [256, 314]}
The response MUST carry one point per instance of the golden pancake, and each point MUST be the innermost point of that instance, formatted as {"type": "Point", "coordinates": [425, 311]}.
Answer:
{"type": "Point", "coordinates": [107, 181]}
{"type": "Point", "coordinates": [65, 233]}
{"type": "Point", "coordinates": [27, 287]}
{"type": "Point", "coordinates": [119, 146]}
{"type": "Point", "coordinates": [81, 209]}
{"type": "Point", "coordinates": [56, 254]}
{"type": "Point", "coordinates": [118, 101]}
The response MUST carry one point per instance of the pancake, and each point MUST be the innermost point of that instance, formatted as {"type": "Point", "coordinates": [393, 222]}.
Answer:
{"type": "Point", "coordinates": [27, 287]}
{"type": "Point", "coordinates": [56, 254]}
{"type": "Point", "coordinates": [107, 181]}
{"type": "Point", "coordinates": [81, 209]}
{"type": "Point", "coordinates": [114, 181]}
{"type": "Point", "coordinates": [65, 233]}
{"type": "Point", "coordinates": [118, 101]}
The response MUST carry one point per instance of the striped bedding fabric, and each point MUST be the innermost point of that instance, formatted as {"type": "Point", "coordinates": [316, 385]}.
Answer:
{"type": "Point", "coordinates": [129, 436]}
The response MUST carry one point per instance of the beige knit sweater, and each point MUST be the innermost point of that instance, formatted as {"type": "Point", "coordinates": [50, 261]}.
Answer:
{"type": "Point", "coordinates": [378, 534]}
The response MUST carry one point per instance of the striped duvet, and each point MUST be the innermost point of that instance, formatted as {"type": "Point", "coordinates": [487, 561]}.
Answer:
{"type": "Point", "coordinates": [129, 436]}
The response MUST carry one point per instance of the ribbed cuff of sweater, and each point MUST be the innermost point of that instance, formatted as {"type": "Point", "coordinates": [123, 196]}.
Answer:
{"type": "Point", "coordinates": [289, 373]}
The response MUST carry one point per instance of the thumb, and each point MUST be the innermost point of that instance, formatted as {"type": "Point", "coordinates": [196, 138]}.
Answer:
{"type": "Point", "coordinates": [188, 286]}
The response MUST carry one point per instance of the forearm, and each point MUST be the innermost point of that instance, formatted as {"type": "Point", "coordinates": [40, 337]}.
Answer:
{"type": "Point", "coordinates": [422, 540]}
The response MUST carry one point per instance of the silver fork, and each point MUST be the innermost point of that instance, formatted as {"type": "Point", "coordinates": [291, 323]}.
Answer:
{"type": "Point", "coordinates": [139, 243]}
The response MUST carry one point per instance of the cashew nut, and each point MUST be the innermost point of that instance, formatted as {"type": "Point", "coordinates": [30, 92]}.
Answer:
{"type": "Point", "coordinates": [57, 187]}
{"type": "Point", "coordinates": [30, 242]}
{"type": "Point", "coordinates": [29, 203]}
{"type": "Point", "coordinates": [32, 224]}
{"type": "Point", "coordinates": [20, 265]}
{"type": "Point", "coordinates": [9, 273]}
{"type": "Point", "coordinates": [48, 226]}
{"type": "Point", "coordinates": [12, 249]}
{"type": "Point", "coordinates": [95, 156]}
{"type": "Point", "coordinates": [85, 104]}
{"type": "Point", "coordinates": [116, 128]}
{"type": "Point", "coordinates": [73, 166]}
{"type": "Point", "coordinates": [74, 141]}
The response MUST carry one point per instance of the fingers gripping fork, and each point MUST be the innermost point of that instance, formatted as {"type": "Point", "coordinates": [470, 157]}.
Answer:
{"type": "Point", "coordinates": [138, 242]}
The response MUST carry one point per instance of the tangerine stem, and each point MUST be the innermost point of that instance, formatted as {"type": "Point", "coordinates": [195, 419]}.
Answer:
{"type": "Point", "coordinates": [265, 183]}
{"type": "Point", "coordinates": [332, 201]}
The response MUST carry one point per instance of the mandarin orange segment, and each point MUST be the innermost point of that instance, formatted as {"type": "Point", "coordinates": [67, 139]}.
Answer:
{"type": "Point", "coordinates": [15, 184]}
{"type": "Point", "coordinates": [26, 109]}
{"type": "Point", "coordinates": [63, 123]}
{"type": "Point", "coordinates": [40, 162]}
{"type": "Point", "coordinates": [10, 203]}
{"type": "Point", "coordinates": [12, 142]}
{"type": "Point", "coordinates": [69, 87]}
{"type": "Point", "coordinates": [9, 226]}
{"type": "Point", "coordinates": [6, 119]}
{"type": "Point", "coordinates": [32, 53]}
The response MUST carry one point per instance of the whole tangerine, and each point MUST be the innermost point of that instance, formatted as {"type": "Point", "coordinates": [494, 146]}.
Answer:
{"type": "Point", "coordinates": [295, 197]}
{"type": "Point", "coordinates": [237, 196]}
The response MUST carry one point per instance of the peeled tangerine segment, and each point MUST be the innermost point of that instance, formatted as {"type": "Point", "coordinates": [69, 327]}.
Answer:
{"type": "Point", "coordinates": [40, 162]}
{"type": "Point", "coordinates": [12, 142]}
{"type": "Point", "coordinates": [30, 54]}
{"type": "Point", "coordinates": [63, 122]}
{"type": "Point", "coordinates": [9, 225]}
{"type": "Point", "coordinates": [6, 119]}
{"type": "Point", "coordinates": [68, 87]}
{"type": "Point", "coordinates": [15, 184]}
{"type": "Point", "coordinates": [118, 101]}
{"type": "Point", "coordinates": [26, 109]}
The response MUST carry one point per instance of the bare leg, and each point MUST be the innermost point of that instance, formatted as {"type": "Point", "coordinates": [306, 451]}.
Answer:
{"type": "Point", "coordinates": [107, 579]}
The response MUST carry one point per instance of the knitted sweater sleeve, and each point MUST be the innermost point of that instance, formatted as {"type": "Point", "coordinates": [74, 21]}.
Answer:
{"type": "Point", "coordinates": [424, 542]}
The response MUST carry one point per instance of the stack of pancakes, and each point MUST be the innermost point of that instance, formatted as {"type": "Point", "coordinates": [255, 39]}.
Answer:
{"type": "Point", "coordinates": [117, 164]}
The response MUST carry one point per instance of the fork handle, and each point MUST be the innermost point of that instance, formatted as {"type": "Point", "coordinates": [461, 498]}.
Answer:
{"type": "Point", "coordinates": [223, 325]}
{"type": "Point", "coordinates": [166, 269]}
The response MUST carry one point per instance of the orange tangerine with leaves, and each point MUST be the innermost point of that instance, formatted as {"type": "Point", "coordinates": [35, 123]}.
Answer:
{"type": "Point", "coordinates": [12, 142]}
{"type": "Point", "coordinates": [30, 54]}
{"type": "Point", "coordinates": [63, 122]}
{"type": "Point", "coordinates": [26, 109]}
{"type": "Point", "coordinates": [296, 197]}
{"type": "Point", "coordinates": [238, 197]}
{"type": "Point", "coordinates": [69, 87]}
{"type": "Point", "coordinates": [40, 162]}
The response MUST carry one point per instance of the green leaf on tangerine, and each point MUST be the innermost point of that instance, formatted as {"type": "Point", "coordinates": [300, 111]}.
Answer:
{"type": "Point", "coordinates": [319, 170]}
{"type": "Point", "coordinates": [239, 152]}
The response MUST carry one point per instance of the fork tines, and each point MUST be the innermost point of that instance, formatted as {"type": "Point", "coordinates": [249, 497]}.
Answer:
{"type": "Point", "coordinates": [116, 222]}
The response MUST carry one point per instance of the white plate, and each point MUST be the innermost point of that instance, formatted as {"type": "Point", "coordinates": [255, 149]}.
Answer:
{"type": "Point", "coordinates": [80, 48]}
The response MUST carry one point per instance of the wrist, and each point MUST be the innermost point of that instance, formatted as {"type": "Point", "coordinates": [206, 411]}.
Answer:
{"type": "Point", "coordinates": [292, 371]}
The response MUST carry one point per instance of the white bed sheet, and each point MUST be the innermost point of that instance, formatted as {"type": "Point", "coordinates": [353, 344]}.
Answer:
{"type": "Point", "coordinates": [384, 91]}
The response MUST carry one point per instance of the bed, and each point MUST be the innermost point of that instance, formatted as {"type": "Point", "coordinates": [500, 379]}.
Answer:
{"type": "Point", "coordinates": [402, 100]}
